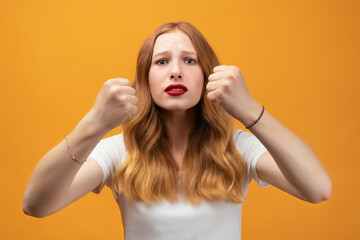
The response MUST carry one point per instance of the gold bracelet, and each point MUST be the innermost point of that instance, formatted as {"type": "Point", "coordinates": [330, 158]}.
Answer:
{"type": "Point", "coordinates": [72, 156]}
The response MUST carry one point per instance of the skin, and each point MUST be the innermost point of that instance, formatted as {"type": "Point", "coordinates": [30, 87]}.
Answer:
{"type": "Point", "coordinates": [57, 180]}
{"type": "Point", "coordinates": [290, 164]}
{"type": "Point", "coordinates": [175, 61]}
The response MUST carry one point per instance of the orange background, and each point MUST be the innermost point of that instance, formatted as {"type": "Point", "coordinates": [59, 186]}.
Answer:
{"type": "Point", "coordinates": [301, 59]}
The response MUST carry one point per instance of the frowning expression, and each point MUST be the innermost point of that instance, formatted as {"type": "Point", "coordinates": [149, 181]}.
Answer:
{"type": "Point", "coordinates": [175, 76]}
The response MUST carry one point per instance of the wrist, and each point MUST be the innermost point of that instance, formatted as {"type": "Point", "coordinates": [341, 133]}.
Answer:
{"type": "Point", "coordinates": [256, 121]}
{"type": "Point", "coordinates": [250, 113]}
{"type": "Point", "coordinates": [84, 137]}
{"type": "Point", "coordinates": [91, 125]}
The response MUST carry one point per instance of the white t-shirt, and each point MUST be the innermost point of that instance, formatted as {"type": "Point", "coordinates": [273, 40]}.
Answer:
{"type": "Point", "coordinates": [163, 220]}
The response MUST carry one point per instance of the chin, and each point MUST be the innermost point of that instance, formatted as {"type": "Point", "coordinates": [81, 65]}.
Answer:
{"type": "Point", "coordinates": [177, 104]}
{"type": "Point", "coordinates": [177, 107]}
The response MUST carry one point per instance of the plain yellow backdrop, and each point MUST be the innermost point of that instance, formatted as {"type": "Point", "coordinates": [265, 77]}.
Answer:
{"type": "Point", "coordinates": [301, 59]}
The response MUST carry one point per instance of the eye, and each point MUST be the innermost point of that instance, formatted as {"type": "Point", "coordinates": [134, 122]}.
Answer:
{"type": "Point", "coordinates": [190, 61]}
{"type": "Point", "coordinates": [161, 61]}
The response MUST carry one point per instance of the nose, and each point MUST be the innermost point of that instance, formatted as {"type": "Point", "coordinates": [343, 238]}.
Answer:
{"type": "Point", "coordinates": [175, 73]}
{"type": "Point", "coordinates": [175, 76]}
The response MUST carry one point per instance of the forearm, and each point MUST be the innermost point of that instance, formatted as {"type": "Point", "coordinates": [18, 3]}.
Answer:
{"type": "Point", "coordinates": [294, 157]}
{"type": "Point", "coordinates": [55, 172]}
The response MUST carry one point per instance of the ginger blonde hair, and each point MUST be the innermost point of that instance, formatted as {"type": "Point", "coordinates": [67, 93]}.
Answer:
{"type": "Point", "coordinates": [212, 167]}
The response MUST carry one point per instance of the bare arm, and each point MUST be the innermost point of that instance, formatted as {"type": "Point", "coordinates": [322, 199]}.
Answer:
{"type": "Point", "coordinates": [57, 179]}
{"type": "Point", "coordinates": [55, 172]}
{"type": "Point", "coordinates": [291, 165]}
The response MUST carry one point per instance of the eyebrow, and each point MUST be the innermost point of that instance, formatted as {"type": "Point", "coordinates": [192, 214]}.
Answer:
{"type": "Point", "coordinates": [166, 52]}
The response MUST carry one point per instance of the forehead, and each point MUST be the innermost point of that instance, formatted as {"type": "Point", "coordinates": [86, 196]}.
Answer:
{"type": "Point", "coordinates": [176, 40]}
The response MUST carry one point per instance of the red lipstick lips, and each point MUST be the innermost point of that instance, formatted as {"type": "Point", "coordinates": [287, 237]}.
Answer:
{"type": "Point", "coordinates": [176, 89]}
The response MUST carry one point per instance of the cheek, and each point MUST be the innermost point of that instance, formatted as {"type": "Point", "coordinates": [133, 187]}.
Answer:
{"type": "Point", "coordinates": [152, 81]}
{"type": "Point", "coordinates": [156, 76]}
{"type": "Point", "coordinates": [151, 77]}
{"type": "Point", "coordinates": [154, 85]}
{"type": "Point", "coordinates": [199, 83]}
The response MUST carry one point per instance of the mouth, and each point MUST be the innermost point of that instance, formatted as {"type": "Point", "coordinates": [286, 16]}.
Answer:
{"type": "Point", "coordinates": [176, 89]}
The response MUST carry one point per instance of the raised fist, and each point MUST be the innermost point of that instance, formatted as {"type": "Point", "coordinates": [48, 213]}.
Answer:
{"type": "Point", "coordinates": [115, 103]}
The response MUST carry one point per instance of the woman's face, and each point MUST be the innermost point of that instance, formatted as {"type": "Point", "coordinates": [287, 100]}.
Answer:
{"type": "Point", "coordinates": [175, 76]}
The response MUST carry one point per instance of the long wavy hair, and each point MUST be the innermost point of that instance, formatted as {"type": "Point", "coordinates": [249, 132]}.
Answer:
{"type": "Point", "coordinates": [212, 167]}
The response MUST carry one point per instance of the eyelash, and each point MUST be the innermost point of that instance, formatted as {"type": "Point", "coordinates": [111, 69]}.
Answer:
{"type": "Point", "coordinates": [191, 59]}
{"type": "Point", "coordinates": [158, 61]}
{"type": "Point", "coordinates": [186, 59]}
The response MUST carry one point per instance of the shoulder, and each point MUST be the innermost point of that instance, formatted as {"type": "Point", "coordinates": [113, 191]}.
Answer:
{"type": "Point", "coordinates": [243, 139]}
{"type": "Point", "coordinates": [113, 139]}
{"type": "Point", "coordinates": [248, 145]}
{"type": "Point", "coordinates": [251, 150]}
{"type": "Point", "coordinates": [110, 151]}
{"type": "Point", "coordinates": [240, 133]}
{"type": "Point", "coordinates": [115, 142]}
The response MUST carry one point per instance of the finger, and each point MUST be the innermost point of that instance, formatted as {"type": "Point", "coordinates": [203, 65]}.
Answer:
{"type": "Point", "coordinates": [133, 100]}
{"type": "Point", "coordinates": [213, 96]}
{"type": "Point", "coordinates": [213, 85]}
{"type": "Point", "coordinates": [220, 68]}
{"type": "Point", "coordinates": [132, 111]}
{"type": "Point", "coordinates": [120, 81]}
{"type": "Point", "coordinates": [216, 76]}
{"type": "Point", "coordinates": [128, 90]}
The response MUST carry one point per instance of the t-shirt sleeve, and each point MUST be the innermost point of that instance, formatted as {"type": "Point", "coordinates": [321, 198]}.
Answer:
{"type": "Point", "coordinates": [250, 149]}
{"type": "Point", "coordinates": [109, 153]}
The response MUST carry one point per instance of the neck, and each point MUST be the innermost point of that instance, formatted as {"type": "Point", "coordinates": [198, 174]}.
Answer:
{"type": "Point", "coordinates": [178, 126]}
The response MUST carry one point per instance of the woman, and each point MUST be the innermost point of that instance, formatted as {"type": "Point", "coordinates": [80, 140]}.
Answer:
{"type": "Point", "coordinates": [178, 171]}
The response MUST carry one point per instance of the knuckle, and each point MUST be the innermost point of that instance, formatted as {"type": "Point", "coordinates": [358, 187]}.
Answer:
{"type": "Point", "coordinates": [132, 90]}
{"type": "Point", "coordinates": [113, 81]}
{"type": "Point", "coordinates": [234, 67]}
{"type": "Point", "coordinates": [215, 95]}
{"type": "Point", "coordinates": [126, 82]}
{"type": "Point", "coordinates": [231, 76]}
{"type": "Point", "coordinates": [122, 81]}
{"type": "Point", "coordinates": [226, 85]}
{"type": "Point", "coordinates": [119, 90]}
{"type": "Point", "coordinates": [113, 90]}
{"type": "Point", "coordinates": [108, 83]}
{"type": "Point", "coordinates": [128, 110]}
{"type": "Point", "coordinates": [237, 70]}
{"type": "Point", "coordinates": [122, 98]}
{"type": "Point", "coordinates": [208, 86]}
{"type": "Point", "coordinates": [135, 110]}
{"type": "Point", "coordinates": [211, 76]}
{"type": "Point", "coordinates": [125, 111]}
{"type": "Point", "coordinates": [117, 81]}
{"type": "Point", "coordinates": [136, 100]}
